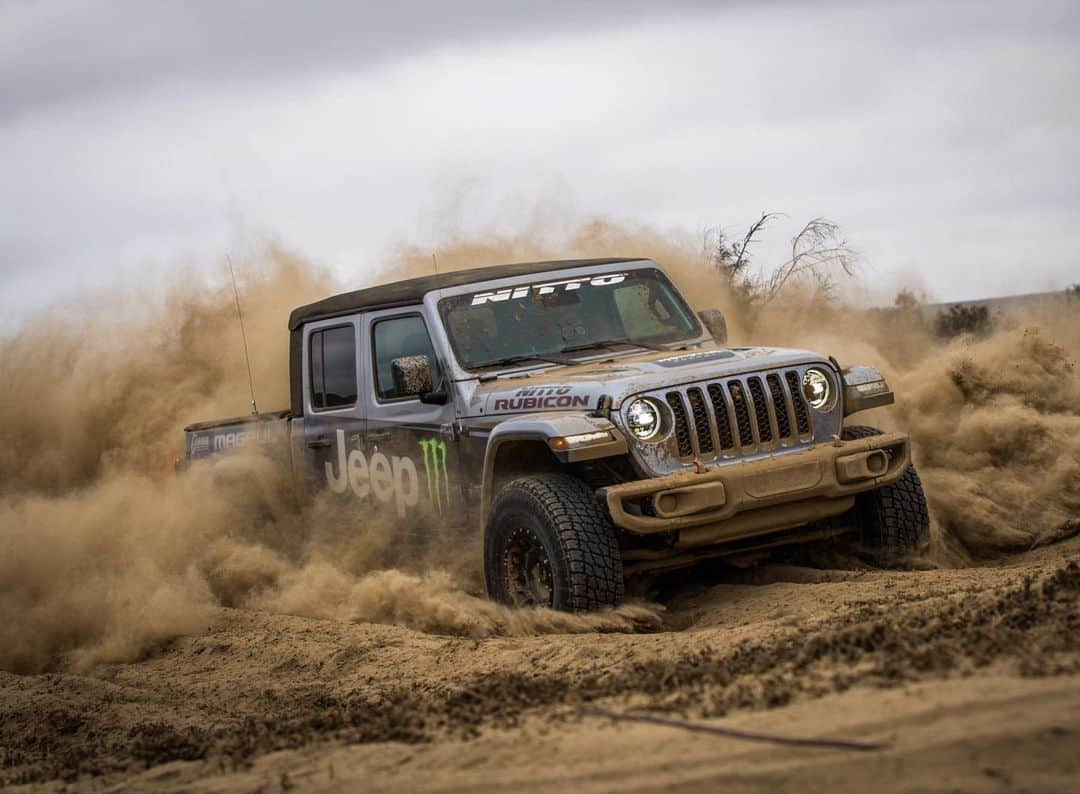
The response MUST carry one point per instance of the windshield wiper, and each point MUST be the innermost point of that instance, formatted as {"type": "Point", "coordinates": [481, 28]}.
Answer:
{"type": "Point", "coordinates": [560, 357]}
{"type": "Point", "coordinates": [550, 358]}
{"type": "Point", "coordinates": [610, 343]}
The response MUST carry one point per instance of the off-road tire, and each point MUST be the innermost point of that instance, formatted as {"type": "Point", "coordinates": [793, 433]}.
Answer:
{"type": "Point", "coordinates": [578, 537]}
{"type": "Point", "coordinates": [893, 521]}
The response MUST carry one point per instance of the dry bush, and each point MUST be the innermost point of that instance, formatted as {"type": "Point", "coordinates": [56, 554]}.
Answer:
{"type": "Point", "coordinates": [963, 319]}
{"type": "Point", "coordinates": [819, 255]}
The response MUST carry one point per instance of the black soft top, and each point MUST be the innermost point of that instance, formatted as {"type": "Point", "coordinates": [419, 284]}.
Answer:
{"type": "Point", "coordinates": [412, 291]}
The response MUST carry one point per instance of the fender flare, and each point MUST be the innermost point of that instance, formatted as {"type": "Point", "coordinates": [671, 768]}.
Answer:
{"type": "Point", "coordinates": [542, 427]}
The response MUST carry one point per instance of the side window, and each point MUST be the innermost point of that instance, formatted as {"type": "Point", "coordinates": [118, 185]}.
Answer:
{"type": "Point", "coordinates": [396, 338]}
{"type": "Point", "coordinates": [333, 368]}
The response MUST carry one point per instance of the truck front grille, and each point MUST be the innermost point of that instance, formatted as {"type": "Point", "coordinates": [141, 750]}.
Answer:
{"type": "Point", "coordinates": [740, 415]}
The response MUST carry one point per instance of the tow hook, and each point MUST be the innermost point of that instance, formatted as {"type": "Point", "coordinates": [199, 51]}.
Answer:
{"type": "Point", "coordinates": [698, 468]}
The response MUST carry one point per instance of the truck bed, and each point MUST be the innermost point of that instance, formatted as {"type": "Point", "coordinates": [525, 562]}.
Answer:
{"type": "Point", "coordinates": [203, 439]}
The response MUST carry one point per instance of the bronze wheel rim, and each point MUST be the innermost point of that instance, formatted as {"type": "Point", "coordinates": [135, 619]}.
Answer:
{"type": "Point", "coordinates": [528, 570]}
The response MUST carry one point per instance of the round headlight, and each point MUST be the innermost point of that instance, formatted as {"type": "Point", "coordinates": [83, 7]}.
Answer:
{"type": "Point", "coordinates": [643, 419]}
{"type": "Point", "coordinates": [817, 388]}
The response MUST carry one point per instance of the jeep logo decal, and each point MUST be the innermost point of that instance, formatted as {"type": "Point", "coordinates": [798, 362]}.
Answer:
{"type": "Point", "coordinates": [385, 478]}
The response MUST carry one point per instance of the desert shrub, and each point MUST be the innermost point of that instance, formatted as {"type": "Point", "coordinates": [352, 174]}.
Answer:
{"type": "Point", "coordinates": [819, 255]}
{"type": "Point", "coordinates": [906, 300]}
{"type": "Point", "coordinates": [963, 319]}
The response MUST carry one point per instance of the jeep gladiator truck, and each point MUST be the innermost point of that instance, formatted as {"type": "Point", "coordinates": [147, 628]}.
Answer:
{"type": "Point", "coordinates": [587, 422]}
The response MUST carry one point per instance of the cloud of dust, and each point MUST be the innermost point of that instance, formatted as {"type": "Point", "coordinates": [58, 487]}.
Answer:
{"type": "Point", "coordinates": [105, 552]}
{"type": "Point", "coordinates": [996, 423]}
{"type": "Point", "coordinates": [92, 388]}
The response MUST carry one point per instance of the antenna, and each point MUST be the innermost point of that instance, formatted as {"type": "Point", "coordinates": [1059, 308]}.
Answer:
{"type": "Point", "coordinates": [243, 336]}
{"type": "Point", "coordinates": [435, 262]}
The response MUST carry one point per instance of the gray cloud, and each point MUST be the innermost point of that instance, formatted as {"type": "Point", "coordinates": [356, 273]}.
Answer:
{"type": "Point", "coordinates": [135, 137]}
{"type": "Point", "coordinates": [82, 48]}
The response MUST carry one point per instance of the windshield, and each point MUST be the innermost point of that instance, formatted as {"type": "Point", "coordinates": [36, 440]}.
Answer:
{"type": "Point", "coordinates": [549, 320]}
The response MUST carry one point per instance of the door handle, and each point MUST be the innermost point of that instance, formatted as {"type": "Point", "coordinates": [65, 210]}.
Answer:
{"type": "Point", "coordinates": [377, 435]}
{"type": "Point", "coordinates": [319, 443]}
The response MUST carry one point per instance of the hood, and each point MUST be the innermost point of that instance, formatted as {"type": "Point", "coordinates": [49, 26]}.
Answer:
{"type": "Point", "coordinates": [580, 386]}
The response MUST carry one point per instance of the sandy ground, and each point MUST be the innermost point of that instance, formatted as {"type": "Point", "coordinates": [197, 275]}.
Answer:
{"type": "Point", "coordinates": [970, 677]}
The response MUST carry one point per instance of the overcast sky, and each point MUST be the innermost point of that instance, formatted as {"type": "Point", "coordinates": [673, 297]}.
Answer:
{"type": "Point", "coordinates": [137, 137]}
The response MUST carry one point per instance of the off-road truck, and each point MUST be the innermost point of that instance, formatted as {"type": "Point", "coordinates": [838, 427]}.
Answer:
{"type": "Point", "coordinates": [584, 419]}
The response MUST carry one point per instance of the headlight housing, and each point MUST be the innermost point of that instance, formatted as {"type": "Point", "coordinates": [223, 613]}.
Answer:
{"type": "Point", "coordinates": [818, 390]}
{"type": "Point", "coordinates": [643, 419]}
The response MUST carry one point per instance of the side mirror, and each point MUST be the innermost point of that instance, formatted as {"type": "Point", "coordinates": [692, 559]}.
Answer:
{"type": "Point", "coordinates": [713, 320]}
{"type": "Point", "coordinates": [412, 378]}
{"type": "Point", "coordinates": [439, 397]}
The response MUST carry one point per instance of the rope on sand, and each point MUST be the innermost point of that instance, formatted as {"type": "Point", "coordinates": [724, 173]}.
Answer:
{"type": "Point", "coordinates": [735, 733]}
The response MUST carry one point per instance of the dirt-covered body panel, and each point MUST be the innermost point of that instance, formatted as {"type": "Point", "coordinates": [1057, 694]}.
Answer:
{"type": "Point", "coordinates": [620, 379]}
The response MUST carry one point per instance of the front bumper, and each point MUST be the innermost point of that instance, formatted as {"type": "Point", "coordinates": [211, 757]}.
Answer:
{"type": "Point", "coordinates": [741, 500]}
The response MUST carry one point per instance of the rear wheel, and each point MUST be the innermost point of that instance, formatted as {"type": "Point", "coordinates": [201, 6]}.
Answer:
{"type": "Point", "coordinates": [549, 543]}
{"type": "Point", "coordinates": [893, 521]}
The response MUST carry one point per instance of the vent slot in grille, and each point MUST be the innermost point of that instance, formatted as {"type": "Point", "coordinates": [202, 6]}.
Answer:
{"type": "Point", "coordinates": [701, 420]}
{"type": "Point", "coordinates": [742, 413]}
{"type": "Point", "coordinates": [802, 413]}
{"type": "Point", "coordinates": [682, 428]}
{"type": "Point", "coordinates": [783, 419]}
{"type": "Point", "coordinates": [761, 410]}
{"type": "Point", "coordinates": [723, 422]}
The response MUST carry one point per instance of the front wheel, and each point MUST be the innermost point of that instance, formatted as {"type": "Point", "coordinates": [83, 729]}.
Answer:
{"type": "Point", "coordinates": [549, 543]}
{"type": "Point", "coordinates": [893, 521]}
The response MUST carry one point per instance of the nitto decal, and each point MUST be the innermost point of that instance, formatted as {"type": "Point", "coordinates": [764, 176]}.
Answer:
{"type": "Point", "coordinates": [542, 397]}
{"type": "Point", "coordinates": [438, 479]}
{"type": "Point", "coordinates": [385, 478]}
{"type": "Point", "coordinates": [548, 288]}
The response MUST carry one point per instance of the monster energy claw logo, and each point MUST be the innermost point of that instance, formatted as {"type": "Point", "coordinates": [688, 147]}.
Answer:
{"type": "Point", "coordinates": [438, 479]}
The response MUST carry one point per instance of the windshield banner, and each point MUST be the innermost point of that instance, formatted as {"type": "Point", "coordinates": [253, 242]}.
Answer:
{"type": "Point", "coordinates": [548, 288]}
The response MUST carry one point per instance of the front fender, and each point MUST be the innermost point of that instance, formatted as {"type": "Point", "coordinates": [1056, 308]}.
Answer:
{"type": "Point", "coordinates": [545, 428]}
{"type": "Point", "coordinates": [864, 388]}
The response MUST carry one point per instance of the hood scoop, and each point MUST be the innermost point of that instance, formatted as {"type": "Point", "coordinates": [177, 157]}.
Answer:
{"type": "Point", "coordinates": [700, 357]}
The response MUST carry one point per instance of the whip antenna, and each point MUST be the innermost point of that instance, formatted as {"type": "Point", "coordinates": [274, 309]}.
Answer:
{"type": "Point", "coordinates": [243, 336]}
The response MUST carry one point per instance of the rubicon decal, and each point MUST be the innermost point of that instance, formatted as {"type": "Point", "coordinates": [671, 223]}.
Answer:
{"type": "Point", "coordinates": [541, 397]}
{"type": "Point", "coordinates": [548, 288]}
